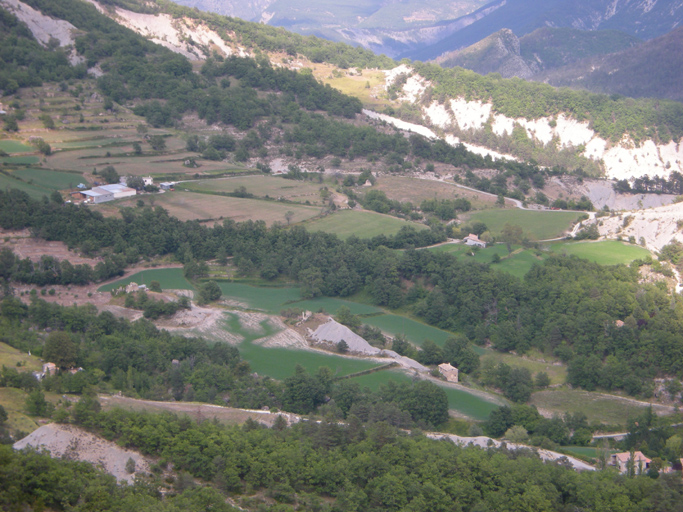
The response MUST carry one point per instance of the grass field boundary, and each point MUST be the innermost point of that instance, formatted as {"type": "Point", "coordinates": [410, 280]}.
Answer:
{"type": "Point", "coordinates": [248, 196]}
{"type": "Point", "coordinates": [371, 370]}
{"type": "Point", "coordinates": [212, 175]}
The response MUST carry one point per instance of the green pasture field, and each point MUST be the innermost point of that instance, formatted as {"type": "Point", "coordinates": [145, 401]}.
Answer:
{"type": "Point", "coordinates": [518, 264]}
{"type": "Point", "coordinates": [13, 400]}
{"type": "Point", "coordinates": [33, 190]}
{"type": "Point", "coordinates": [461, 401]}
{"type": "Point", "coordinates": [612, 410]}
{"type": "Point", "coordinates": [54, 180]}
{"type": "Point", "coordinates": [416, 332]}
{"type": "Point", "coordinates": [542, 225]}
{"type": "Point", "coordinates": [193, 206]}
{"type": "Point", "coordinates": [416, 190]}
{"type": "Point", "coordinates": [606, 252]}
{"type": "Point", "coordinates": [362, 224]}
{"type": "Point", "coordinates": [19, 160]}
{"type": "Point", "coordinates": [99, 141]}
{"type": "Point", "coordinates": [169, 279]}
{"type": "Point", "coordinates": [274, 300]}
{"type": "Point", "coordinates": [280, 363]}
{"type": "Point", "coordinates": [587, 452]}
{"type": "Point", "coordinates": [557, 373]}
{"type": "Point", "coordinates": [263, 185]}
{"type": "Point", "coordinates": [14, 146]}
{"type": "Point", "coordinates": [10, 356]}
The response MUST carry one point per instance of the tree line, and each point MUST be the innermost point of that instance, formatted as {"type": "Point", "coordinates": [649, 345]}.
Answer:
{"type": "Point", "coordinates": [326, 466]}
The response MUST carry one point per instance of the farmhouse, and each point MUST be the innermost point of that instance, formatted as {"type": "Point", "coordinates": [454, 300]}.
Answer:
{"type": "Point", "coordinates": [449, 372]}
{"type": "Point", "coordinates": [146, 180]}
{"type": "Point", "coordinates": [640, 462]}
{"type": "Point", "coordinates": [472, 239]}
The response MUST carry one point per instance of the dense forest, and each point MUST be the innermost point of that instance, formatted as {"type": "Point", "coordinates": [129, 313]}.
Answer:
{"type": "Point", "coordinates": [614, 331]}
{"type": "Point", "coordinates": [324, 467]}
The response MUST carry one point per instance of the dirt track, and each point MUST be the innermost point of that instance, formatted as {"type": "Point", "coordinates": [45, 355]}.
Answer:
{"type": "Point", "coordinates": [197, 411]}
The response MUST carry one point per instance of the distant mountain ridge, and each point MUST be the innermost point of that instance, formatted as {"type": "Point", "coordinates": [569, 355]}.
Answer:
{"type": "Point", "coordinates": [603, 61]}
{"type": "Point", "coordinates": [383, 26]}
{"type": "Point", "coordinates": [653, 69]}
{"type": "Point", "coordinates": [645, 19]}
{"type": "Point", "coordinates": [543, 50]}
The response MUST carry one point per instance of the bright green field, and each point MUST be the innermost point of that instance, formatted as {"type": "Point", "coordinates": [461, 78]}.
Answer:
{"type": "Point", "coordinates": [607, 252]}
{"type": "Point", "coordinates": [274, 300]}
{"type": "Point", "coordinates": [517, 263]}
{"type": "Point", "coordinates": [55, 180]}
{"type": "Point", "coordinates": [32, 190]}
{"type": "Point", "coordinates": [362, 224]}
{"type": "Point", "coordinates": [415, 331]}
{"type": "Point", "coordinates": [589, 452]}
{"type": "Point", "coordinates": [279, 363]}
{"type": "Point", "coordinates": [169, 279]}
{"type": "Point", "coordinates": [25, 160]}
{"type": "Point", "coordinates": [13, 146]}
{"type": "Point", "coordinates": [542, 225]}
{"type": "Point", "coordinates": [458, 400]}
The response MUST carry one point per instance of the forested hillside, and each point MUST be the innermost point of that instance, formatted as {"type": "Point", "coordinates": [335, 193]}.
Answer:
{"type": "Point", "coordinates": [543, 50]}
{"type": "Point", "coordinates": [651, 69]}
{"type": "Point", "coordinates": [326, 467]}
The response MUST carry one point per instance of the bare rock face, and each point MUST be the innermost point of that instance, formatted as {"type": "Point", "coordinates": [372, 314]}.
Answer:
{"type": "Point", "coordinates": [74, 443]}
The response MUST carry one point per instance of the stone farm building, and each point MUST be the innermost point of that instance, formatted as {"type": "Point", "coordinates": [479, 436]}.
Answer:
{"type": "Point", "coordinates": [474, 240]}
{"type": "Point", "coordinates": [105, 193]}
{"type": "Point", "coordinates": [449, 372]}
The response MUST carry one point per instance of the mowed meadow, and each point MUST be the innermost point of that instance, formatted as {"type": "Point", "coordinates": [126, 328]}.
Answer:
{"type": "Point", "coordinates": [520, 260]}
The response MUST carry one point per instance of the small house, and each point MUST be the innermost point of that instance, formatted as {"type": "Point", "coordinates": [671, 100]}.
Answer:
{"type": "Point", "coordinates": [167, 185]}
{"type": "Point", "coordinates": [147, 180]}
{"type": "Point", "coordinates": [640, 462]}
{"type": "Point", "coordinates": [474, 240]}
{"type": "Point", "coordinates": [449, 372]}
{"type": "Point", "coordinates": [49, 369]}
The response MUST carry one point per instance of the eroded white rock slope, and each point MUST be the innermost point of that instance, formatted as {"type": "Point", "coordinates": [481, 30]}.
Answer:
{"type": "Point", "coordinates": [44, 28]}
{"type": "Point", "coordinates": [623, 160]}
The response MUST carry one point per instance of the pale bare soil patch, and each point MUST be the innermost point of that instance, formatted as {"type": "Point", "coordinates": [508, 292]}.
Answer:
{"type": "Point", "coordinates": [197, 411]}
{"type": "Point", "coordinates": [25, 246]}
{"type": "Point", "coordinates": [656, 226]}
{"type": "Point", "coordinates": [74, 443]}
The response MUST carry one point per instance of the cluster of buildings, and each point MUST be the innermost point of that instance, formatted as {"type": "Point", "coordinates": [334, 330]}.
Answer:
{"type": "Point", "coordinates": [104, 193]}
{"type": "Point", "coordinates": [51, 369]}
